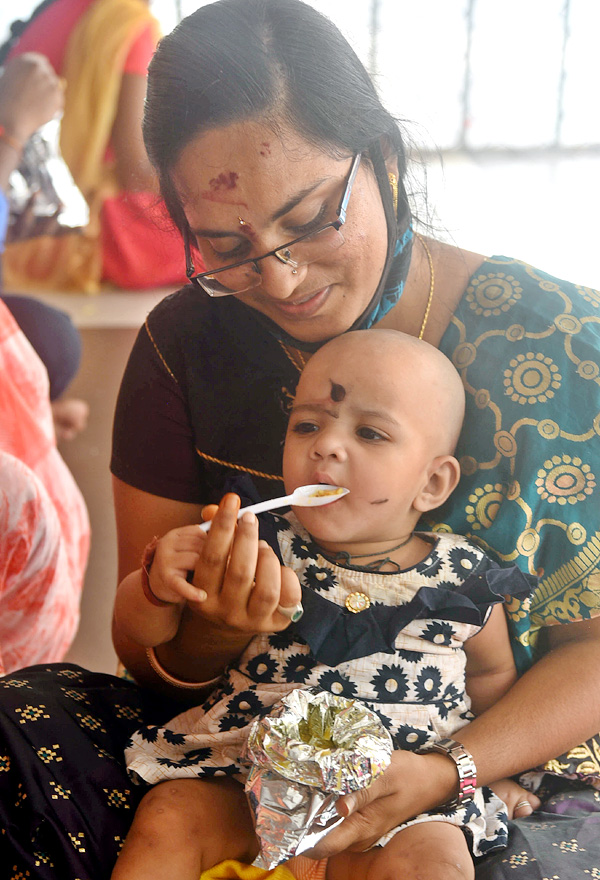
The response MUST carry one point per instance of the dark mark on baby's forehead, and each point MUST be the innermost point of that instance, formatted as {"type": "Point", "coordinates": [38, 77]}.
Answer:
{"type": "Point", "coordinates": [338, 392]}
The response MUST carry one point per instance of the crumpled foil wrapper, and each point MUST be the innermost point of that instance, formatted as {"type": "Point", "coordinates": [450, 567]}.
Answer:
{"type": "Point", "coordinates": [312, 748]}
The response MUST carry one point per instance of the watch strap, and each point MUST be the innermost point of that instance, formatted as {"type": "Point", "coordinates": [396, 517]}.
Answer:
{"type": "Point", "coordinates": [465, 766]}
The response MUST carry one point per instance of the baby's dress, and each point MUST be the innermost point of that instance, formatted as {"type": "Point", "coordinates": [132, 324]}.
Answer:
{"type": "Point", "coordinates": [402, 656]}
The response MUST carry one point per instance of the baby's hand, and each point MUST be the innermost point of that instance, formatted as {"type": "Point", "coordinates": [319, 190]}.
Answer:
{"type": "Point", "coordinates": [176, 554]}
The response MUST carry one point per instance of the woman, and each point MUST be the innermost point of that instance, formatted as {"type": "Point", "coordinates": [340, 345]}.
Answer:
{"type": "Point", "coordinates": [264, 128]}
{"type": "Point", "coordinates": [102, 49]}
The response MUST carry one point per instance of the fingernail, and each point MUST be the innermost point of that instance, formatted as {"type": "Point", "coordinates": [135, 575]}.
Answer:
{"type": "Point", "coordinates": [231, 502]}
{"type": "Point", "coordinates": [249, 518]}
{"type": "Point", "coordinates": [347, 806]}
{"type": "Point", "coordinates": [202, 594]}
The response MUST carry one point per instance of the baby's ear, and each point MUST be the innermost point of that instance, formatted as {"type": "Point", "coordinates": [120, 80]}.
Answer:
{"type": "Point", "coordinates": [442, 477]}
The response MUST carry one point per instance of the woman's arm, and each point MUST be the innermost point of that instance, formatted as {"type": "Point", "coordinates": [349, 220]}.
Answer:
{"type": "Point", "coordinates": [553, 707]}
{"type": "Point", "coordinates": [241, 576]}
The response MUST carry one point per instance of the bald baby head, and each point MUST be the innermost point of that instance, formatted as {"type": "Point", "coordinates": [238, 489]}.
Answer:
{"type": "Point", "coordinates": [411, 370]}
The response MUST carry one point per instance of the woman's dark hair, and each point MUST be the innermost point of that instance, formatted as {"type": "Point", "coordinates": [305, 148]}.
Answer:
{"type": "Point", "coordinates": [274, 60]}
{"type": "Point", "coordinates": [18, 28]}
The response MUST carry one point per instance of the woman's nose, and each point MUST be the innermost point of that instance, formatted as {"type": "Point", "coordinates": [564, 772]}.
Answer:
{"type": "Point", "coordinates": [280, 280]}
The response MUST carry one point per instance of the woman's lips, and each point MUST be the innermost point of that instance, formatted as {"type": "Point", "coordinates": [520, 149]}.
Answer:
{"type": "Point", "coordinates": [303, 307]}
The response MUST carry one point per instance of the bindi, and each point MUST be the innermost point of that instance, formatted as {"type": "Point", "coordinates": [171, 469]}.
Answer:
{"type": "Point", "coordinates": [225, 180]}
{"type": "Point", "coordinates": [337, 393]}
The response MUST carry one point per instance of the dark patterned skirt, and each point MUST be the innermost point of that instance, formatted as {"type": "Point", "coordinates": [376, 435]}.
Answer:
{"type": "Point", "coordinates": [66, 802]}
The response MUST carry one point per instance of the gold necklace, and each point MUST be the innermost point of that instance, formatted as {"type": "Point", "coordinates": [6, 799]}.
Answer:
{"type": "Point", "coordinates": [431, 285]}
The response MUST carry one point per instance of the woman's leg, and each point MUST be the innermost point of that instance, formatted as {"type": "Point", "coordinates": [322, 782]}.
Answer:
{"type": "Point", "coordinates": [186, 826]}
{"type": "Point", "coordinates": [427, 851]}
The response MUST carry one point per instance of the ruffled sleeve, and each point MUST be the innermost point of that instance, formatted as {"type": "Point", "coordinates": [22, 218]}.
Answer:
{"type": "Point", "coordinates": [336, 635]}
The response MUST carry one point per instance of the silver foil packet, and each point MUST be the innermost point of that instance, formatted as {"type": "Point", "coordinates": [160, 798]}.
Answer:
{"type": "Point", "coordinates": [312, 748]}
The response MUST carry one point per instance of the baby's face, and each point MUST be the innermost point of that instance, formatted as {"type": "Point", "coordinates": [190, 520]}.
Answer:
{"type": "Point", "coordinates": [365, 426]}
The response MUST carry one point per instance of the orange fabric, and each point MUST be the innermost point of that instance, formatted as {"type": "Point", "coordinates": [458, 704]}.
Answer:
{"type": "Point", "coordinates": [44, 527]}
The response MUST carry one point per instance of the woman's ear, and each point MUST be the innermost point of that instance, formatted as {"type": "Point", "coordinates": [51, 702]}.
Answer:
{"type": "Point", "coordinates": [442, 478]}
{"type": "Point", "coordinates": [389, 155]}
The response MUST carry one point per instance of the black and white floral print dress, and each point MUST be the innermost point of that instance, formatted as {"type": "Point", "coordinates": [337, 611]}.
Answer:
{"type": "Point", "coordinates": [402, 656]}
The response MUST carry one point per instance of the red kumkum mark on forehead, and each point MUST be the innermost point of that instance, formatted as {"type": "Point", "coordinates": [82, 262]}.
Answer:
{"type": "Point", "coordinates": [225, 180]}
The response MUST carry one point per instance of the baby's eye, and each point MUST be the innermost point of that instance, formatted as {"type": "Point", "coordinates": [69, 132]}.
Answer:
{"type": "Point", "coordinates": [370, 434]}
{"type": "Point", "coordinates": [305, 428]}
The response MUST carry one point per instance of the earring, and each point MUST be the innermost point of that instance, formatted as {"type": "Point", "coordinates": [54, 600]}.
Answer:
{"type": "Point", "coordinates": [394, 187]}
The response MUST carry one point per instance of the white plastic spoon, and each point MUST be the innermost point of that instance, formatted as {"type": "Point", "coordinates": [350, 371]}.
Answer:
{"type": "Point", "coordinates": [303, 496]}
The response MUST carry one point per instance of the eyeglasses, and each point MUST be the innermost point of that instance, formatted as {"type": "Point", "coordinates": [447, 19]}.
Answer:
{"type": "Point", "coordinates": [246, 274]}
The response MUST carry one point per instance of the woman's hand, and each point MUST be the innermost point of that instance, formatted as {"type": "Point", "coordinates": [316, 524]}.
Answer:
{"type": "Point", "coordinates": [411, 785]}
{"type": "Point", "coordinates": [31, 94]}
{"type": "Point", "coordinates": [242, 577]}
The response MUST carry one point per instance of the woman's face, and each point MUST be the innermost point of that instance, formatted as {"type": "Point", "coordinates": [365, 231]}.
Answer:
{"type": "Point", "coordinates": [246, 190]}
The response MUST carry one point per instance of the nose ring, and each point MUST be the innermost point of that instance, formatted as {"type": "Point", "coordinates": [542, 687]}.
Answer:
{"type": "Point", "coordinates": [294, 271]}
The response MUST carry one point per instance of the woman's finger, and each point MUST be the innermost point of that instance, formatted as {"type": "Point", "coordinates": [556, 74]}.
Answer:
{"type": "Point", "coordinates": [266, 590]}
{"type": "Point", "coordinates": [238, 582]}
{"type": "Point", "coordinates": [214, 554]}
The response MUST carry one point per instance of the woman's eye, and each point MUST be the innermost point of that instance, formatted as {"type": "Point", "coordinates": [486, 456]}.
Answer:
{"type": "Point", "coordinates": [218, 251]}
{"type": "Point", "coordinates": [305, 428]}
{"type": "Point", "coordinates": [312, 225]}
{"type": "Point", "coordinates": [369, 434]}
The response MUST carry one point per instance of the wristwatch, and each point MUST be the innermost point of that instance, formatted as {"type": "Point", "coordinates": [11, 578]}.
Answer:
{"type": "Point", "coordinates": [467, 771]}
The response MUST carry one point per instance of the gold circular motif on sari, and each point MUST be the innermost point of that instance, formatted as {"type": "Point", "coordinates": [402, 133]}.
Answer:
{"type": "Point", "coordinates": [576, 533]}
{"type": "Point", "coordinates": [464, 355]}
{"type": "Point", "coordinates": [515, 332]}
{"type": "Point", "coordinates": [565, 480]}
{"type": "Point", "coordinates": [528, 542]}
{"type": "Point", "coordinates": [468, 465]}
{"type": "Point", "coordinates": [484, 506]}
{"type": "Point", "coordinates": [482, 398]}
{"type": "Point", "coordinates": [532, 378]}
{"type": "Point", "coordinates": [493, 294]}
{"type": "Point", "coordinates": [548, 429]}
{"type": "Point", "coordinates": [356, 602]}
{"type": "Point", "coordinates": [567, 324]}
{"type": "Point", "coordinates": [505, 443]}
{"type": "Point", "coordinates": [588, 369]}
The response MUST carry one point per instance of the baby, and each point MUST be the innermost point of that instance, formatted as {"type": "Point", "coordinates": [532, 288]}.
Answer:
{"type": "Point", "coordinates": [406, 621]}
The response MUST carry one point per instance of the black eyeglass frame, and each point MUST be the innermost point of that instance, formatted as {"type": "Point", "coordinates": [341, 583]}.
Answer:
{"type": "Point", "coordinates": [276, 252]}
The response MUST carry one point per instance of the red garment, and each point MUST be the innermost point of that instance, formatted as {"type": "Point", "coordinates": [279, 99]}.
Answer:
{"type": "Point", "coordinates": [140, 247]}
{"type": "Point", "coordinates": [44, 527]}
{"type": "Point", "coordinates": [50, 32]}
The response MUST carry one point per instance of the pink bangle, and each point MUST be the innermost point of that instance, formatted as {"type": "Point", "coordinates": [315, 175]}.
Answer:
{"type": "Point", "coordinates": [147, 559]}
{"type": "Point", "coordinates": [10, 140]}
{"type": "Point", "coordinates": [176, 682]}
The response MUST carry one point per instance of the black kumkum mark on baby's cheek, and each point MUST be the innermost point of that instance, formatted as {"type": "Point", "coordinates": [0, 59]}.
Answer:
{"type": "Point", "coordinates": [381, 501]}
{"type": "Point", "coordinates": [338, 392]}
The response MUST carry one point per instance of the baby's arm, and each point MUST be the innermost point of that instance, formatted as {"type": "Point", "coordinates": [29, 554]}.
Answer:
{"type": "Point", "coordinates": [490, 670]}
{"type": "Point", "coordinates": [139, 618]}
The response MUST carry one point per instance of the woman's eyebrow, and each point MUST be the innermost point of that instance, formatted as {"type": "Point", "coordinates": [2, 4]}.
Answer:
{"type": "Point", "coordinates": [280, 212]}
{"type": "Point", "coordinates": [295, 200]}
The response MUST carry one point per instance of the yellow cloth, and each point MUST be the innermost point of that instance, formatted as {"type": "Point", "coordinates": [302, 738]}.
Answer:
{"type": "Point", "coordinates": [94, 59]}
{"type": "Point", "coordinates": [230, 870]}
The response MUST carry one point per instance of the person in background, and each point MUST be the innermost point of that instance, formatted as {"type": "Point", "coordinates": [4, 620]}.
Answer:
{"type": "Point", "coordinates": [30, 95]}
{"type": "Point", "coordinates": [44, 528]}
{"type": "Point", "coordinates": [102, 49]}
